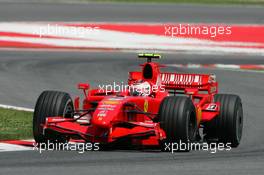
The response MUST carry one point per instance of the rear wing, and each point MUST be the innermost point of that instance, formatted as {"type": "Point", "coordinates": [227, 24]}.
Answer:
{"type": "Point", "coordinates": [180, 81]}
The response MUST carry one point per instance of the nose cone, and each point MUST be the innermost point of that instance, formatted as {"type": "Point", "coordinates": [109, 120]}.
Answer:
{"type": "Point", "coordinates": [107, 111]}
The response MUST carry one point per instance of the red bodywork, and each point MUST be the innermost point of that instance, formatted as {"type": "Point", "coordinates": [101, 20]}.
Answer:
{"type": "Point", "coordinates": [118, 115]}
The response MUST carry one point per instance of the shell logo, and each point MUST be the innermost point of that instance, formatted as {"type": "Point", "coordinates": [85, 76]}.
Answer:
{"type": "Point", "coordinates": [146, 106]}
{"type": "Point", "coordinates": [199, 114]}
{"type": "Point", "coordinates": [111, 102]}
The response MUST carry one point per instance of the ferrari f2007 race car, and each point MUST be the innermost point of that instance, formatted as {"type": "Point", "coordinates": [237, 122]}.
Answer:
{"type": "Point", "coordinates": [155, 108]}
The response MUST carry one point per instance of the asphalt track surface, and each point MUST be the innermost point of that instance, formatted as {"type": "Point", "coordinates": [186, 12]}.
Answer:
{"type": "Point", "coordinates": [24, 74]}
{"type": "Point", "coordinates": [23, 11]}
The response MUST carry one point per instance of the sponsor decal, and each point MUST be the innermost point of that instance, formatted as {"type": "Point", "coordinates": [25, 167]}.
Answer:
{"type": "Point", "coordinates": [102, 113]}
{"type": "Point", "coordinates": [111, 102]}
{"type": "Point", "coordinates": [199, 114]}
{"type": "Point", "coordinates": [213, 89]}
{"type": "Point", "coordinates": [57, 119]}
{"type": "Point", "coordinates": [211, 107]}
{"type": "Point", "coordinates": [105, 109]}
{"type": "Point", "coordinates": [107, 106]}
{"type": "Point", "coordinates": [115, 99]}
{"type": "Point", "coordinates": [182, 79]}
{"type": "Point", "coordinates": [146, 106]}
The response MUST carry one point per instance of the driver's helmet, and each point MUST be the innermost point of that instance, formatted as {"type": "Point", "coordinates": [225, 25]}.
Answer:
{"type": "Point", "coordinates": [140, 88]}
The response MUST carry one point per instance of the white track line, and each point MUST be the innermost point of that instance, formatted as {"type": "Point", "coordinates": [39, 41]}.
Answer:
{"type": "Point", "coordinates": [16, 108]}
{"type": "Point", "coordinates": [7, 147]}
{"type": "Point", "coordinates": [4, 147]}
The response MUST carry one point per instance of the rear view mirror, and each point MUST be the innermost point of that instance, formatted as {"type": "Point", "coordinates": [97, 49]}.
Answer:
{"type": "Point", "coordinates": [83, 86]}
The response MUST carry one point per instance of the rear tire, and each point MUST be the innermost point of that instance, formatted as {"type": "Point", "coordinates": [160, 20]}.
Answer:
{"type": "Point", "coordinates": [228, 126]}
{"type": "Point", "coordinates": [178, 119]}
{"type": "Point", "coordinates": [51, 103]}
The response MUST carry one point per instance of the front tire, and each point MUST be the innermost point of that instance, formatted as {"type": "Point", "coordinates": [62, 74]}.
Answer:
{"type": "Point", "coordinates": [178, 119]}
{"type": "Point", "coordinates": [51, 103]}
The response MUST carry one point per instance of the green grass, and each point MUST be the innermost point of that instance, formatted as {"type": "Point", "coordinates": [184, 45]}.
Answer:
{"type": "Point", "coordinates": [243, 2]}
{"type": "Point", "coordinates": [15, 124]}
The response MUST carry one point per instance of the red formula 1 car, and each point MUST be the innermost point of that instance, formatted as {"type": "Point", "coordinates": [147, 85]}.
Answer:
{"type": "Point", "coordinates": [154, 108]}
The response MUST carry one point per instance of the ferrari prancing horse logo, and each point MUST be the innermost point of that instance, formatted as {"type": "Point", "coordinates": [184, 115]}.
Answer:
{"type": "Point", "coordinates": [146, 106]}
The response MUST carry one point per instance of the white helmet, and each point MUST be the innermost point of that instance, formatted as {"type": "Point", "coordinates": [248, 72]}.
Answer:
{"type": "Point", "coordinates": [140, 88]}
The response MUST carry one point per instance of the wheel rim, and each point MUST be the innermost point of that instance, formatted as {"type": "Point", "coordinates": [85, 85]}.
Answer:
{"type": "Point", "coordinates": [191, 128]}
{"type": "Point", "coordinates": [68, 110]}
